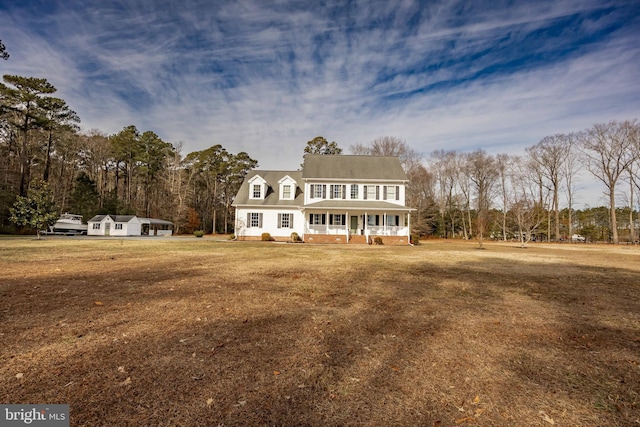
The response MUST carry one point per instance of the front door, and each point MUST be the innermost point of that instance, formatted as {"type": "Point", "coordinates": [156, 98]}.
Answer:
{"type": "Point", "coordinates": [107, 228]}
{"type": "Point", "coordinates": [354, 225]}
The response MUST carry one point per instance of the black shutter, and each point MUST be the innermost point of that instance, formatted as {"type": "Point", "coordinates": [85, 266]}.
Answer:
{"type": "Point", "coordinates": [324, 191]}
{"type": "Point", "coordinates": [331, 191]}
{"type": "Point", "coordinates": [248, 219]}
{"type": "Point", "coordinates": [377, 219]}
{"type": "Point", "coordinates": [312, 188]}
{"type": "Point", "coordinates": [344, 220]}
{"type": "Point", "coordinates": [324, 219]}
{"type": "Point", "coordinates": [384, 193]}
{"type": "Point", "coordinates": [344, 191]}
{"type": "Point", "coordinates": [260, 220]}
{"type": "Point", "coordinates": [397, 192]}
{"type": "Point", "coordinates": [397, 220]}
{"type": "Point", "coordinates": [330, 219]}
{"type": "Point", "coordinates": [377, 192]}
{"type": "Point", "coordinates": [290, 220]}
{"type": "Point", "coordinates": [279, 220]}
{"type": "Point", "coordinates": [365, 192]}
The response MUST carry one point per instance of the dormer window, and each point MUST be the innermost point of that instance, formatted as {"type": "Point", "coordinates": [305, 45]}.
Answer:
{"type": "Point", "coordinates": [287, 188]}
{"type": "Point", "coordinates": [257, 187]}
{"type": "Point", "coordinates": [286, 191]}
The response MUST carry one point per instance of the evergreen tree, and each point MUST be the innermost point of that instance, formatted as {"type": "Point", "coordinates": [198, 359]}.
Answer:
{"type": "Point", "coordinates": [36, 210]}
{"type": "Point", "coordinates": [85, 199]}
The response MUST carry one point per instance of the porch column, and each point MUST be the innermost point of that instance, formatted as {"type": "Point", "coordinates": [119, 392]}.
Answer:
{"type": "Point", "coordinates": [347, 221]}
{"type": "Point", "coordinates": [409, 227]}
{"type": "Point", "coordinates": [326, 223]}
{"type": "Point", "coordinates": [366, 225]}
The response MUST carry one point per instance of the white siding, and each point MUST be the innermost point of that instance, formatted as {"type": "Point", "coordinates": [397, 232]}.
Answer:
{"type": "Point", "coordinates": [95, 232]}
{"type": "Point", "coordinates": [310, 198]}
{"type": "Point", "coordinates": [131, 228]}
{"type": "Point", "coordinates": [269, 222]}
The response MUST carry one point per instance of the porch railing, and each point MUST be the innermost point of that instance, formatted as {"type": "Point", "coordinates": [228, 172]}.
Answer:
{"type": "Point", "coordinates": [370, 230]}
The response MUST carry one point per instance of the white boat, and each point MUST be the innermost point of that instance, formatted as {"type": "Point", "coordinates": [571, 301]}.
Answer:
{"type": "Point", "coordinates": [69, 223]}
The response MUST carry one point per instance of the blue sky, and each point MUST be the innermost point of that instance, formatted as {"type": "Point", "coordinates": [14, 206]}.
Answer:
{"type": "Point", "coordinates": [267, 76]}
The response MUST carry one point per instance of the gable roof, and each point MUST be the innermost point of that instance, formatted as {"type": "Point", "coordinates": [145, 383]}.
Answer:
{"type": "Point", "coordinates": [352, 167]}
{"type": "Point", "coordinates": [272, 194]}
{"type": "Point", "coordinates": [115, 218]}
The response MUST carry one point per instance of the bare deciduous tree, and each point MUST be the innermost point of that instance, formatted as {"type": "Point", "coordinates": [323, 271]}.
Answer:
{"type": "Point", "coordinates": [481, 169]}
{"type": "Point", "coordinates": [550, 154]}
{"type": "Point", "coordinates": [446, 167]}
{"type": "Point", "coordinates": [569, 172]}
{"type": "Point", "coordinates": [502, 163]}
{"type": "Point", "coordinates": [526, 204]}
{"type": "Point", "coordinates": [609, 153]}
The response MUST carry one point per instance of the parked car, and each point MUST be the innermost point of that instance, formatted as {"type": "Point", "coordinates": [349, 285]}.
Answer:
{"type": "Point", "coordinates": [578, 238]}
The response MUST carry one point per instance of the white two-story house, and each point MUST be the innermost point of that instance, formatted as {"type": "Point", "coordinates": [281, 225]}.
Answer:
{"type": "Point", "coordinates": [333, 199]}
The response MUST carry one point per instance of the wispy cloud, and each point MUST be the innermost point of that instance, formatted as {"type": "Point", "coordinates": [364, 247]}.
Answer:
{"type": "Point", "coordinates": [265, 77]}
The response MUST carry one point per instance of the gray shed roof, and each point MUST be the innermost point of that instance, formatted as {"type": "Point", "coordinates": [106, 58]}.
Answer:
{"type": "Point", "coordinates": [272, 197]}
{"type": "Point", "coordinates": [349, 167]}
{"type": "Point", "coordinates": [155, 221]}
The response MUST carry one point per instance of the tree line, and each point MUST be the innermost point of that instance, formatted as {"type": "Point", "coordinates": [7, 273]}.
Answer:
{"type": "Point", "coordinates": [131, 172]}
{"type": "Point", "coordinates": [524, 197]}
{"type": "Point", "coordinates": [532, 196]}
{"type": "Point", "coordinates": [455, 194]}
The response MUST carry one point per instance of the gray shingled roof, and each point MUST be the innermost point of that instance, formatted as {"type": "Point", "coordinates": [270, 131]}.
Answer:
{"type": "Point", "coordinates": [345, 167]}
{"type": "Point", "coordinates": [272, 199]}
{"type": "Point", "coordinates": [116, 218]}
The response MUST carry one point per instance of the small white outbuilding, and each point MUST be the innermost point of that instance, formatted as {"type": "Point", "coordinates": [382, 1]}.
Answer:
{"type": "Point", "coordinates": [128, 225]}
{"type": "Point", "coordinates": [114, 225]}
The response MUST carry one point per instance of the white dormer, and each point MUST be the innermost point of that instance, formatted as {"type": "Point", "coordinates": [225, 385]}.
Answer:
{"type": "Point", "coordinates": [257, 187]}
{"type": "Point", "coordinates": [287, 188]}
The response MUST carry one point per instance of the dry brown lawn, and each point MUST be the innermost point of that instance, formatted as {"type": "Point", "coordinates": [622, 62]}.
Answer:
{"type": "Point", "coordinates": [197, 332]}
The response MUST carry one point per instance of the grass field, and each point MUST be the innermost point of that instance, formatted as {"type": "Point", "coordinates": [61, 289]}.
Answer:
{"type": "Point", "coordinates": [194, 332]}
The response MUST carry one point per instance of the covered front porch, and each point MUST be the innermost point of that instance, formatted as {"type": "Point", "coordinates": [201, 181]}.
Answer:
{"type": "Point", "coordinates": [357, 226]}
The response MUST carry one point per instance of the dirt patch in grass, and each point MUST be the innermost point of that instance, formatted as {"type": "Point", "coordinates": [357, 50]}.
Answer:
{"type": "Point", "coordinates": [198, 332]}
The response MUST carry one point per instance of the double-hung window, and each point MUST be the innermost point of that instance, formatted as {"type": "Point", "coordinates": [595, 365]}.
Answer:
{"type": "Point", "coordinates": [317, 219]}
{"type": "Point", "coordinates": [286, 192]}
{"type": "Point", "coordinates": [118, 226]}
{"type": "Point", "coordinates": [371, 192]}
{"type": "Point", "coordinates": [256, 191]}
{"type": "Point", "coordinates": [337, 219]}
{"type": "Point", "coordinates": [254, 220]}
{"type": "Point", "coordinates": [354, 191]}
{"type": "Point", "coordinates": [392, 192]}
{"type": "Point", "coordinates": [318, 191]}
{"type": "Point", "coordinates": [337, 191]}
{"type": "Point", "coordinates": [96, 226]}
{"type": "Point", "coordinates": [285, 220]}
